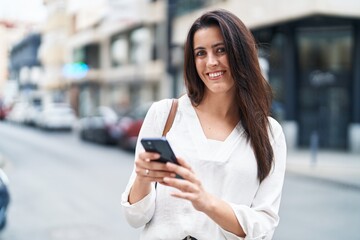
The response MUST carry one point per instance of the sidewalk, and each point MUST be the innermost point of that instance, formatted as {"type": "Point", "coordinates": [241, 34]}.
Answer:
{"type": "Point", "coordinates": [338, 167]}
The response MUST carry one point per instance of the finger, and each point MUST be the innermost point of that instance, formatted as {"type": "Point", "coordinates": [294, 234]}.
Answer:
{"type": "Point", "coordinates": [153, 179]}
{"type": "Point", "coordinates": [148, 156]}
{"type": "Point", "coordinates": [151, 176]}
{"type": "Point", "coordinates": [182, 185]}
{"type": "Point", "coordinates": [183, 195]}
{"type": "Point", "coordinates": [147, 160]}
{"type": "Point", "coordinates": [155, 174]}
{"type": "Point", "coordinates": [183, 163]}
{"type": "Point", "coordinates": [184, 172]}
{"type": "Point", "coordinates": [153, 166]}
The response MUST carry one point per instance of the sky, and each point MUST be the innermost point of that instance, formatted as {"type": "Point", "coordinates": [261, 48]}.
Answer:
{"type": "Point", "coordinates": [23, 10]}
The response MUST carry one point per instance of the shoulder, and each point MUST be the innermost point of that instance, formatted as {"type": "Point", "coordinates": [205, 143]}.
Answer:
{"type": "Point", "coordinates": [155, 118]}
{"type": "Point", "coordinates": [161, 105]}
{"type": "Point", "coordinates": [274, 125]}
{"type": "Point", "coordinates": [159, 111]}
{"type": "Point", "coordinates": [275, 129]}
{"type": "Point", "coordinates": [164, 105]}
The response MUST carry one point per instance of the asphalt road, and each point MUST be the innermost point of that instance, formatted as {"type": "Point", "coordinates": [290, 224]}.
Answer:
{"type": "Point", "coordinates": [63, 188]}
{"type": "Point", "coordinates": [318, 210]}
{"type": "Point", "coordinates": [66, 189]}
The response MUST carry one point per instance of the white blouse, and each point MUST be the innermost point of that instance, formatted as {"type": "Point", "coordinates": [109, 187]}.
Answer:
{"type": "Point", "coordinates": [226, 169]}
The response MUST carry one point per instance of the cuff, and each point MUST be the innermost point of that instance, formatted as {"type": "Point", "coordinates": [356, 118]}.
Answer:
{"type": "Point", "coordinates": [141, 212]}
{"type": "Point", "coordinates": [231, 236]}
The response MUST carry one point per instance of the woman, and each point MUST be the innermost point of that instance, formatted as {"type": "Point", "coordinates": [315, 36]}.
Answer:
{"type": "Point", "coordinates": [231, 154]}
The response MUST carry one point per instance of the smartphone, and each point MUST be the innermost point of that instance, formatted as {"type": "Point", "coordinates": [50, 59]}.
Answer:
{"type": "Point", "coordinates": [161, 146]}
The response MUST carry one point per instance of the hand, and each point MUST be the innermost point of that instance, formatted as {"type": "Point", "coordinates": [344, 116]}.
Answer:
{"type": "Point", "coordinates": [190, 186]}
{"type": "Point", "coordinates": [150, 171]}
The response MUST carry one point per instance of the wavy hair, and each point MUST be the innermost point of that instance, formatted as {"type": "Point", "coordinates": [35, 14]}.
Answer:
{"type": "Point", "coordinates": [253, 93]}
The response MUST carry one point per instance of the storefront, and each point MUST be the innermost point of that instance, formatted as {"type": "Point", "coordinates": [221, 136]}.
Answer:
{"type": "Point", "coordinates": [313, 71]}
{"type": "Point", "coordinates": [25, 67]}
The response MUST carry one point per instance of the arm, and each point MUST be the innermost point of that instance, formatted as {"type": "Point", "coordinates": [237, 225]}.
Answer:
{"type": "Point", "coordinates": [192, 190]}
{"type": "Point", "coordinates": [138, 199]}
{"type": "Point", "coordinates": [261, 218]}
{"type": "Point", "coordinates": [222, 213]}
{"type": "Point", "coordinates": [147, 171]}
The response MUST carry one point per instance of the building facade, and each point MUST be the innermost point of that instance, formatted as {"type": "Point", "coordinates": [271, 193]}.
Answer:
{"type": "Point", "coordinates": [52, 52]}
{"type": "Point", "coordinates": [121, 45]}
{"type": "Point", "coordinates": [25, 67]}
{"type": "Point", "coordinates": [10, 34]}
{"type": "Point", "coordinates": [310, 48]}
{"type": "Point", "coordinates": [313, 70]}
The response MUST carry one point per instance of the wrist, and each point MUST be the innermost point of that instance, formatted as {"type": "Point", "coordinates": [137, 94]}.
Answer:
{"type": "Point", "coordinates": [211, 203]}
{"type": "Point", "coordinates": [139, 190]}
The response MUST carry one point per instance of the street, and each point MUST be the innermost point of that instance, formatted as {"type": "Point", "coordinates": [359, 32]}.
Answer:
{"type": "Point", "coordinates": [315, 210]}
{"type": "Point", "coordinates": [65, 189]}
{"type": "Point", "coordinates": [62, 188]}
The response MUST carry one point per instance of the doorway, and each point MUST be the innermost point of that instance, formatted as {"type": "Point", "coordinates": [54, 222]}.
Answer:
{"type": "Point", "coordinates": [324, 65]}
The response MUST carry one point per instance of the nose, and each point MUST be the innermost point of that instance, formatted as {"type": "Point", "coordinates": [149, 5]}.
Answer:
{"type": "Point", "coordinates": [212, 60]}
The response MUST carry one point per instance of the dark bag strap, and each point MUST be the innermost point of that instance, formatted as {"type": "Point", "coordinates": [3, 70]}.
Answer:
{"type": "Point", "coordinates": [171, 117]}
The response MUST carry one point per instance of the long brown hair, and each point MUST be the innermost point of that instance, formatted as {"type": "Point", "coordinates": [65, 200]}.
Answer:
{"type": "Point", "coordinates": [253, 93]}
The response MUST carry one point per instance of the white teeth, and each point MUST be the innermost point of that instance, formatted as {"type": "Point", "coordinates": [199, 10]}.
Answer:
{"type": "Point", "coordinates": [212, 75]}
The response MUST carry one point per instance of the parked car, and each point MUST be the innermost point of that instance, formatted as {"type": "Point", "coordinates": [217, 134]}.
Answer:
{"type": "Point", "coordinates": [34, 109]}
{"type": "Point", "coordinates": [4, 110]}
{"type": "Point", "coordinates": [57, 116]}
{"type": "Point", "coordinates": [4, 198]}
{"type": "Point", "coordinates": [131, 124]}
{"type": "Point", "coordinates": [102, 126]}
{"type": "Point", "coordinates": [31, 114]}
{"type": "Point", "coordinates": [17, 114]}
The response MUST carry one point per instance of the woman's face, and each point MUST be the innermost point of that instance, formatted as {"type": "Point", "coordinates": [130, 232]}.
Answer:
{"type": "Point", "coordinates": [211, 60]}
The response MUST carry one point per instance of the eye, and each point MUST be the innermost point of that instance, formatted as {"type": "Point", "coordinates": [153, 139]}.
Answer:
{"type": "Point", "coordinates": [220, 50]}
{"type": "Point", "coordinates": [200, 53]}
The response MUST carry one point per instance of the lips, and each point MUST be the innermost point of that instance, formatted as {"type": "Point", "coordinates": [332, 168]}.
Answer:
{"type": "Point", "coordinates": [216, 75]}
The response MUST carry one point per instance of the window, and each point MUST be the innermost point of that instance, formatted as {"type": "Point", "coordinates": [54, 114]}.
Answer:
{"type": "Point", "coordinates": [141, 45]}
{"type": "Point", "coordinates": [119, 51]}
{"type": "Point", "coordinates": [88, 54]}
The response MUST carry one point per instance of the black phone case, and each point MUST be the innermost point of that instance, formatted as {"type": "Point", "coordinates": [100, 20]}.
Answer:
{"type": "Point", "coordinates": [161, 146]}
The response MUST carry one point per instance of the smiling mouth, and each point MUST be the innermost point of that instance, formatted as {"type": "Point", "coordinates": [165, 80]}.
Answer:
{"type": "Point", "coordinates": [216, 74]}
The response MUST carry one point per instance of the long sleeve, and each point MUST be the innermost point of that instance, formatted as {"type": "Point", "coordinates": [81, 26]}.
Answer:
{"type": "Point", "coordinates": [140, 213]}
{"type": "Point", "coordinates": [261, 218]}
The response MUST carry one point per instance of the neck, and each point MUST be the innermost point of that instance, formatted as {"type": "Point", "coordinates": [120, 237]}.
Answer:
{"type": "Point", "coordinates": [221, 105]}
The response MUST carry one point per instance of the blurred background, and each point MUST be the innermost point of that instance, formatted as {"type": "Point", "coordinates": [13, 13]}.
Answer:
{"type": "Point", "coordinates": [78, 76]}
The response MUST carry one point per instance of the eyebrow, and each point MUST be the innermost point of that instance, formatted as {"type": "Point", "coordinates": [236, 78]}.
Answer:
{"type": "Point", "coordinates": [212, 46]}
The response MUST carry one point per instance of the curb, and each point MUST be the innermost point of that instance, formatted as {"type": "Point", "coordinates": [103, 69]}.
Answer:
{"type": "Point", "coordinates": [331, 167]}
{"type": "Point", "coordinates": [5, 164]}
{"type": "Point", "coordinates": [325, 180]}
{"type": "Point", "coordinates": [2, 161]}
